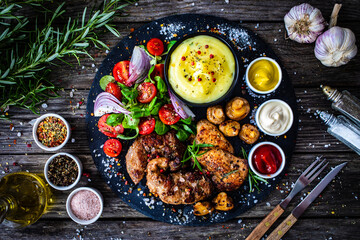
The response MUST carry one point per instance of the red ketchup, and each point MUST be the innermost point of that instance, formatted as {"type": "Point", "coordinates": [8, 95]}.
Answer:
{"type": "Point", "coordinates": [267, 159]}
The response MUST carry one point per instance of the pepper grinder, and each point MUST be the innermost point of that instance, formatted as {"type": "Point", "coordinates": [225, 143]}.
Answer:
{"type": "Point", "coordinates": [343, 129]}
{"type": "Point", "coordinates": [344, 102]}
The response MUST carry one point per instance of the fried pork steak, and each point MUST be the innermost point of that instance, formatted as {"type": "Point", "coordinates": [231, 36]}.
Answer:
{"type": "Point", "coordinates": [153, 146]}
{"type": "Point", "coordinates": [227, 172]}
{"type": "Point", "coordinates": [176, 188]}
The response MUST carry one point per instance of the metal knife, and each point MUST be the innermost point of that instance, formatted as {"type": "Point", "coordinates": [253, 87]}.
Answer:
{"type": "Point", "coordinates": [299, 209]}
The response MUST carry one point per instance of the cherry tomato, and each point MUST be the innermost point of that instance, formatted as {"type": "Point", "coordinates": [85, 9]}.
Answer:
{"type": "Point", "coordinates": [114, 89]}
{"type": "Point", "coordinates": [107, 129]}
{"type": "Point", "coordinates": [121, 72]}
{"type": "Point", "coordinates": [158, 71]}
{"type": "Point", "coordinates": [112, 147]}
{"type": "Point", "coordinates": [155, 46]}
{"type": "Point", "coordinates": [168, 115]}
{"type": "Point", "coordinates": [267, 159]}
{"type": "Point", "coordinates": [147, 91]}
{"type": "Point", "coordinates": [146, 125]}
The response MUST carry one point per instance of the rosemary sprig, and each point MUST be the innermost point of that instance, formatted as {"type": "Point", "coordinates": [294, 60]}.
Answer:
{"type": "Point", "coordinates": [27, 54]}
{"type": "Point", "coordinates": [253, 178]}
{"type": "Point", "coordinates": [192, 152]}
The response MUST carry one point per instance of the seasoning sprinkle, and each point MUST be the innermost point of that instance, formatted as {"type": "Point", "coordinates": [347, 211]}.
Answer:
{"type": "Point", "coordinates": [51, 131]}
{"type": "Point", "coordinates": [62, 171]}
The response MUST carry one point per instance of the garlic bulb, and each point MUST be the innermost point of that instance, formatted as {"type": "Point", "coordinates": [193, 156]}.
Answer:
{"type": "Point", "coordinates": [335, 47]}
{"type": "Point", "coordinates": [304, 23]}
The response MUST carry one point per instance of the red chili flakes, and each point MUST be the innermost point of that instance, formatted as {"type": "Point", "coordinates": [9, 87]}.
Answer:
{"type": "Point", "coordinates": [206, 46]}
{"type": "Point", "coordinates": [86, 175]}
{"type": "Point", "coordinates": [173, 209]}
{"type": "Point", "coordinates": [126, 183]}
{"type": "Point", "coordinates": [211, 56]}
{"type": "Point", "coordinates": [15, 164]}
{"type": "Point", "coordinates": [207, 172]}
{"type": "Point", "coordinates": [14, 141]}
{"type": "Point", "coordinates": [11, 126]}
{"type": "Point", "coordinates": [250, 47]}
{"type": "Point", "coordinates": [132, 29]}
{"type": "Point", "coordinates": [183, 58]}
{"type": "Point", "coordinates": [28, 145]}
{"type": "Point", "coordinates": [110, 166]}
{"type": "Point", "coordinates": [199, 52]}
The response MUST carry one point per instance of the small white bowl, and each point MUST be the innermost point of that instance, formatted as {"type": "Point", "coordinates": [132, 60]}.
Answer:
{"type": "Point", "coordinates": [252, 167]}
{"type": "Point", "coordinates": [247, 77]}
{"type": "Point", "coordinates": [63, 188]}
{"type": "Point", "coordinates": [36, 139]}
{"type": "Point", "coordinates": [291, 117]}
{"type": "Point", "coordinates": [73, 217]}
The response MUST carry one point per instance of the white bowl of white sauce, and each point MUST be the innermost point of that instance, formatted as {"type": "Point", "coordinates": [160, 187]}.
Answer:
{"type": "Point", "coordinates": [274, 117]}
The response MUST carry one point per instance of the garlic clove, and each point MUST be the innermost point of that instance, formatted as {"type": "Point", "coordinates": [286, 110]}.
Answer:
{"type": "Point", "coordinates": [336, 47]}
{"type": "Point", "coordinates": [304, 23]}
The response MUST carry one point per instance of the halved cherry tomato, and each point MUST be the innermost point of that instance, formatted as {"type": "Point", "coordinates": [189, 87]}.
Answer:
{"type": "Point", "coordinates": [121, 71]}
{"type": "Point", "coordinates": [114, 89]}
{"type": "Point", "coordinates": [107, 129]}
{"type": "Point", "coordinates": [112, 147]}
{"type": "Point", "coordinates": [155, 46]}
{"type": "Point", "coordinates": [158, 71]}
{"type": "Point", "coordinates": [168, 115]}
{"type": "Point", "coordinates": [147, 91]}
{"type": "Point", "coordinates": [146, 125]}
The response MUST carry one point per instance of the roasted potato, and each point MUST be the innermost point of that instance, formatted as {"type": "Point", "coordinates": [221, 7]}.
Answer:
{"type": "Point", "coordinates": [237, 108]}
{"type": "Point", "coordinates": [215, 114]}
{"type": "Point", "coordinates": [249, 133]}
{"type": "Point", "coordinates": [223, 202]}
{"type": "Point", "coordinates": [230, 128]}
{"type": "Point", "coordinates": [203, 208]}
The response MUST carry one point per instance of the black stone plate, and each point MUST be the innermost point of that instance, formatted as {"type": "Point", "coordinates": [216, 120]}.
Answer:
{"type": "Point", "coordinates": [248, 47]}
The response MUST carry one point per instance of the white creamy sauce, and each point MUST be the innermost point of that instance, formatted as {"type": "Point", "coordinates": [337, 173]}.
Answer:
{"type": "Point", "coordinates": [274, 117]}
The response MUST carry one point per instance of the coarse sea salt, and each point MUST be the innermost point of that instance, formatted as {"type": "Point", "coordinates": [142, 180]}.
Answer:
{"type": "Point", "coordinates": [85, 205]}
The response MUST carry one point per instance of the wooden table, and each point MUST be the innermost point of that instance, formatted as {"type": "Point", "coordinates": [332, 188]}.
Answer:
{"type": "Point", "coordinates": [333, 215]}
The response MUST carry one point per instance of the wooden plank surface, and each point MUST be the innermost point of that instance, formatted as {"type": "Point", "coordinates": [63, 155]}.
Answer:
{"type": "Point", "coordinates": [334, 215]}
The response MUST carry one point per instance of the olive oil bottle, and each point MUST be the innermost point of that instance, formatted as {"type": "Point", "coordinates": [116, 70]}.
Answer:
{"type": "Point", "coordinates": [24, 198]}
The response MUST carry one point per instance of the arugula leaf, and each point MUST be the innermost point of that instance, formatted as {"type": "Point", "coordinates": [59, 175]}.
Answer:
{"type": "Point", "coordinates": [124, 137]}
{"type": "Point", "coordinates": [115, 119]}
{"type": "Point", "coordinates": [130, 122]}
{"type": "Point", "coordinates": [160, 127]}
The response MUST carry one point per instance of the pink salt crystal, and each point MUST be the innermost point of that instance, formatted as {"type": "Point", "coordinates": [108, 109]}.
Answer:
{"type": "Point", "coordinates": [85, 205]}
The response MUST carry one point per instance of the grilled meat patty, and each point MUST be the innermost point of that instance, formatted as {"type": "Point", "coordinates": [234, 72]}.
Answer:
{"type": "Point", "coordinates": [153, 146]}
{"type": "Point", "coordinates": [208, 133]}
{"type": "Point", "coordinates": [176, 188]}
{"type": "Point", "coordinates": [227, 172]}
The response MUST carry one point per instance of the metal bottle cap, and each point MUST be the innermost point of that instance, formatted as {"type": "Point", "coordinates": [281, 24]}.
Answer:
{"type": "Point", "coordinates": [331, 93]}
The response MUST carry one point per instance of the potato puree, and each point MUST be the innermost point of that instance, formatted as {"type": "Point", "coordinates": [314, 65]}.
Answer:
{"type": "Point", "coordinates": [201, 69]}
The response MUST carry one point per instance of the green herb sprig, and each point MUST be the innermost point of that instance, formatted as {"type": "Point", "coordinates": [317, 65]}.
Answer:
{"type": "Point", "coordinates": [192, 152]}
{"type": "Point", "coordinates": [254, 179]}
{"type": "Point", "coordinates": [27, 53]}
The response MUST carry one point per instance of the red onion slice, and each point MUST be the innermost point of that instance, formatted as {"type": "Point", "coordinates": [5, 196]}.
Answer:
{"type": "Point", "coordinates": [139, 66]}
{"type": "Point", "coordinates": [180, 107]}
{"type": "Point", "coordinates": [107, 103]}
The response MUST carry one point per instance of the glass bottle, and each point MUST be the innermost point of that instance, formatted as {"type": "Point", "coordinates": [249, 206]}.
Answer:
{"type": "Point", "coordinates": [344, 102]}
{"type": "Point", "coordinates": [24, 198]}
{"type": "Point", "coordinates": [343, 129]}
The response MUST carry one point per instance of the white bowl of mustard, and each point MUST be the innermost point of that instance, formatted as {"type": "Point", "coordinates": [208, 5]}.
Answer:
{"type": "Point", "coordinates": [263, 75]}
{"type": "Point", "coordinates": [201, 69]}
{"type": "Point", "coordinates": [274, 117]}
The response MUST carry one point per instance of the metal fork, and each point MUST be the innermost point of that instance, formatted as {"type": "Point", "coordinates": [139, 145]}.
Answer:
{"type": "Point", "coordinates": [305, 178]}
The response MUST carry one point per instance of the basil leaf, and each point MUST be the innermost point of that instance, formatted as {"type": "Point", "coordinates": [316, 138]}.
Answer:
{"type": "Point", "coordinates": [123, 137]}
{"type": "Point", "coordinates": [182, 135]}
{"type": "Point", "coordinates": [105, 80]}
{"type": "Point", "coordinates": [130, 122]}
{"type": "Point", "coordinates": [161, 128]}
{"type": "Point", "coordinates": [115, 119]}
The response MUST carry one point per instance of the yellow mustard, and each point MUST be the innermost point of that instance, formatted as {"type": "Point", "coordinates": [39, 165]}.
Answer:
{"type": "Point", "coordinates": [263, 75]}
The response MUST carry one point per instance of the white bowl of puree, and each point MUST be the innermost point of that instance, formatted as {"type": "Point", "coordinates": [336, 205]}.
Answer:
{"type": "Point", "coordinates": [274, 117]}
{"type": "Point", "coordinates": [263, 75]}
{"type": "Point", "coordinates": [201, 69]}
